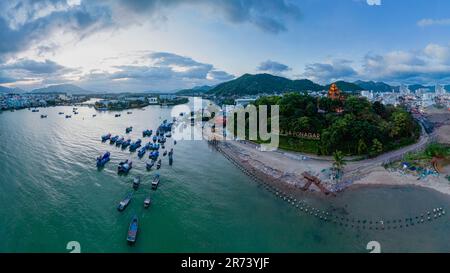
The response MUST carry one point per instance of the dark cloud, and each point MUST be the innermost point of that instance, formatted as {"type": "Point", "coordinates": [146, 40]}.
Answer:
{"type": "Point", "coordinates": [272, 66]}
{"type": "Point", "coordinates": [35, 67]}
{"type": "Point", "coordinates": [268, 15]}
{"type": "Point", "coordinates": [326, 72]}
{"type": "Point", "coordinates": [21, 27]}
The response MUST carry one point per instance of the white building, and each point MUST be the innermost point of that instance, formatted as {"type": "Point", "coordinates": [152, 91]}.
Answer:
{"type": "Point", "coordinates": [244, 101]}
{"type": "Point", "coordinates": [367, 94]}
{"type": "Point", "coordinates": [153, 100]}
{"type": "Point", "coordinates": [440, 90]}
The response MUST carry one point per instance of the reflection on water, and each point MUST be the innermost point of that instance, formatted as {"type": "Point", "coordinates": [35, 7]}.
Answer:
{"type": "Point", "coordinates": [51, 193]}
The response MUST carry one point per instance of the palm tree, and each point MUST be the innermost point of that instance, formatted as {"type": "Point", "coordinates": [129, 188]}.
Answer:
{"type": "Point", "coordinates": [339, 161]}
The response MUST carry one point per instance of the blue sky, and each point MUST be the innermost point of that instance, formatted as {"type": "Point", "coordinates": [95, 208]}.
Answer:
{"type": "Point", "coordinates": [137, 45]}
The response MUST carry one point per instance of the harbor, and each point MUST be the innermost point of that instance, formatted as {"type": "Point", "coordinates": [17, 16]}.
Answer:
{"type": "Point", "coordinates": [203, 202]}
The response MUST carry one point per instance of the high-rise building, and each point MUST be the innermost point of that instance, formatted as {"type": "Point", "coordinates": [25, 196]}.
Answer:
{"type": "Point", "coordinates": [439, 90]}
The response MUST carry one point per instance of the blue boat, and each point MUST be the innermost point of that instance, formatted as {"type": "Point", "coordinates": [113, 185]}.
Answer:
{"type": "Point", "coordinates": [133, 230]}
{"type": "Point", "coordinates": [149, 165]}
{"type": "Point", "coordinates": [154, 155]}
{"type": "Point", "coordinates": [126, 143]}
{"type": "Point", "coordinates": [155, 138]}
{"type": "Point", "coordinates": [106, 137]}
{"type": "Point", "coordinates": [135, 145]}
{"type": "Point", "coordinates": [129, 129]}
{"type": "Point", "coordinates": [125, 166]}
{"type": "Point", "coordinates": [113, 139]}
{"type": "Point", "coordinates": [147, 133]}
{"type": "Point", "coordinates": [141, 152]}
{"type": "Point", "coordinates": [124, 203]}
{"type": "Point", "coordinates": [101, 160]}
{"type": "Point", "coordinates": [120, 141]}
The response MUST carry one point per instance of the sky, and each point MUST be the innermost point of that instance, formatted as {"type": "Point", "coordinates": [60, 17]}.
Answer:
{"type": "Point", "coordinates": [167, 45]}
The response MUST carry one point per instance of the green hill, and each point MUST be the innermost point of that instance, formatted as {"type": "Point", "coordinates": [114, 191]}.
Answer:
{"type": "Point", "coordinates": [249, 84]}
{"type": "Point", "coordinates": [374, 86]}
{"type": "Point", "coordinates": [346, 86]}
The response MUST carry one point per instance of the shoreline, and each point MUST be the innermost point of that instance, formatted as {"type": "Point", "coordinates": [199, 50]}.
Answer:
{"type": "Point", "coordinates": [285, 172]}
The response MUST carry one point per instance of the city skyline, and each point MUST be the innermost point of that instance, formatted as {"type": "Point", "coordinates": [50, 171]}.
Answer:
{"type": "Point", "coordinates": [170, 45]}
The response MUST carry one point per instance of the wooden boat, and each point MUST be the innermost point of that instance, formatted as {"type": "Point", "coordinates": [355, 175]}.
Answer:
{"type": "Point", "coordinates": [133, 230]}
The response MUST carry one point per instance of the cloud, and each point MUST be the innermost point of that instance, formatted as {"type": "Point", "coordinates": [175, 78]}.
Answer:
{"type": "Point", "coordinates": [26, 23]}
{"type": "Point", "coordinates": [427, 65]}
{"type": "Point", "coordinates": [268, 15]}
{"type": "Point", "coordinates": [373, 2]}
{"type": "Point", "coordinates": [34, 67]}
{"type": "Point", "coordinates": [273, 67]}
{"type": "Point", "coordinates": [433, 22]}
{"type": "Point", "coordinates": [164, 72]}
{"type": "Point", "coordinates": [327, 72]}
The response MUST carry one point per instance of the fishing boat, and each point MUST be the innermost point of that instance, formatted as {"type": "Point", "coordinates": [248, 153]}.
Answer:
{"type": "Point", "coordinates": [75, 113]}
{"type": "Point", "coordinates": [117, 115]}
{"type": "Point", "coordinates": [141, 152]}
{"type": "Point", "coordinates": [147, 133]}
{"type": "Point", "coordinates": [133, 230]}
{"type": "Point", "coordinates": [61, 113]}
{"type": "Point", "coordinates": [158, 165]}
{"type": "Point", "coordinates": [135, 145]}
{"type": "Point", "coordinates": [155, 138]}
{"type": "Point", "coordinates": [124, 203]}
{"type": "Point", "coordinates": [147, 202]}
{"type": "Point", "coordinates": [136, 182]}
{"type": "Point", "coordinates": [154, 155]}
{"type": "Point", "coordinates": [155, 181]}
{"type": "Point", "coordinates": [106, 137]}
{"type": "Point", "coordinates": [113, 139]}
{"type": "Point", "coordinates": [128, 129]}
{"type": "Point", "coordinates": [94, 115]}
{"type": "Point", "coordinates": [125, 166]}
{"type": "Point", "coordinates": [119, 141]}
{"type": "Point", "coordinates": [165, 153]}
{"type": "Point", "coordinates": [103, 159]}
{"type": "Point", "coordinates": [68, 116]}
{"type": "Point", "coordinates": [126, 143]}
{"type": "Point", "coordinates": [169, 134]}
{"type": "Point", "coordinates": [129, 113]}
{"type": "Point", "coordinates": [149, 165]}
{"type": "Point", "coordinates": [174, 142]}
{"type": "Point", "coordinates": [43, 116]}
{"type": "Point", "coordinates": [162, 146]}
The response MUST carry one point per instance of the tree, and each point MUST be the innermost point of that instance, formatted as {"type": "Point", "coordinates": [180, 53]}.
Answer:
{"type": "Point", "coordinates": [339, 161]}
{"type": "Point", "coordinates": [377, 147]}
{"type": "Point", "coordinates": [362, 147]}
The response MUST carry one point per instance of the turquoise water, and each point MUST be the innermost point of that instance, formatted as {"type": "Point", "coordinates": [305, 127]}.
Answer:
{"type": "Point", "coordinates": [51, 193]}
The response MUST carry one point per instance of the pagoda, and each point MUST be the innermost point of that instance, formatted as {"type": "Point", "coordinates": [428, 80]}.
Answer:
{"type": "Point", "coordinates": [334, 93]}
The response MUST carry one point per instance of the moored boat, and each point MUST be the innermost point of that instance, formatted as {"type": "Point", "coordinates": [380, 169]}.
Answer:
{"type": "Point", "coordinates": [119, 141]}
{"type": "Point", "coordinates": [68, 116]}
{"type": "Point", "coordinates": [124, 203]}
{"type": "Point", "coordinates": [149, 165]}
{"type": "Point", "coordinates": [135, 145]}
{"type": "Point", "coordinates": [136, 182]}
{"type": "Point", "coordinates": [133, 230]}
{"type": "Point", "coordinates": [146, 133]}
{"type": "Point", "coordinates": [43, 116]}
{"type": "Point", "coordinates": [113, 139]}
{"type": "Point", "coordinates": [141, 152]}
{"type": "Point", "coordinates": [106, 137]}
{"type": "Point", "coordinates": [165, 153]}
{"type": "Point", "coordinates": [158, 165]}
{"type": "Point", "coordinates": [128, 129]}
{"type": "Point", "coordinates": [147, 202]}
{"type": "Point", "coordinates": [103, 159]}
{"type": "Point", "coordinates": [154, 155]}
{"type": "Point", "coordinates": [155, 181]}
{"type": "Point", "coordinates": [126, 143]}
{"type": "Point", "coordinates": [125, 166]}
